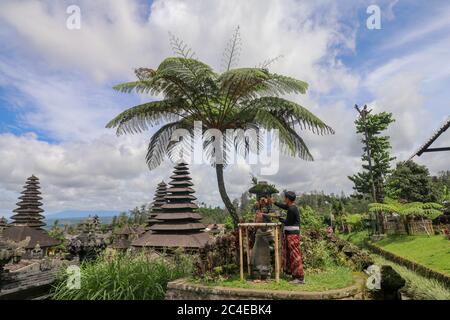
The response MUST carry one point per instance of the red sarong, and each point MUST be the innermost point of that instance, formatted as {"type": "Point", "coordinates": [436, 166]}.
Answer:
{"type": "Point", "coordinates": [292, 258]}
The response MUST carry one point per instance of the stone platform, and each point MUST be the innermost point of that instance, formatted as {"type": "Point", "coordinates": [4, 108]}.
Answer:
{"type": "Point", "coordinates": [183, 289]}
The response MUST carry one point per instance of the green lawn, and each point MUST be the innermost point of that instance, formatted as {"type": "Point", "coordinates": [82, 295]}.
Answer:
{"type": "Point", "coordinates": [333, 278]}
{"type": "Point", "coordinates": [356, 238]}
{"type": "Point", "coordinates": [432, 252]}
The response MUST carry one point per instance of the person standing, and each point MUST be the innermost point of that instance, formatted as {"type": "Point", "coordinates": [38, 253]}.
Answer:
{"type": "Point", "coordinates": [292, 261]}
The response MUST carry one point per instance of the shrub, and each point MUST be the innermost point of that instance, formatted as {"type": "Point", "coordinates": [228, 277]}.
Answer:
{"type": "Point", "coordinates": [309, 219]}
{"type": "Point", "coordinates": [125, 276]}
{"type": "Point", "coordinates": [217, 259]}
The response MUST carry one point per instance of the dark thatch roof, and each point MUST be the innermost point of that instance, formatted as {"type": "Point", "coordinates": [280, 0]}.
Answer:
{"type": "Point", "coordinates": [177, 227]}
{"type": "Point", "coordinates": [178, 216]}
{"type": "Point", "coordinates": [161, 240]}
{"type": "Point", "coordinates": [17, 234]}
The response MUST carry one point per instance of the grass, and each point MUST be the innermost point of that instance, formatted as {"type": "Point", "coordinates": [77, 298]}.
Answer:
{"type": "Point", "coordinates": [432, 252]}
{"type": "Point", "coordinates": [417, 287]}
{"type": "Point", "coordinates": [356, 238]}
{"type": "Point", "coordinates": [124, 277]}
{"type": "Point", "coordinates": [332, 278]}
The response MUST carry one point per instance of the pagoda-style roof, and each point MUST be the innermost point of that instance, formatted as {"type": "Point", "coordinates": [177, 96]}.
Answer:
{"type": "Point", "coordinates": [28, 211]}
{"type": "Point", "coordinates": [181, 205]}
{"type": "Point", "coordinates": [20, 233]}
{"type": "Point", "coordinates": [177, 216]}
{"type": "Point", "coordinates": [426, 146]}
{"type": "Point", "coordinates": [181, 197]}
{"type": "Point", "coordinates": [181, 177]}
{"type": "Point", "coordinates": [178, 223]}
{"type": "Point", "coordinates": [180, 190]}
{"type": "Point", "coordinates": [121, 243]}
{"type": "Point", "coordinates": [165, 240]}
{"type": "Point", "coordinates": [182, 183]}
{"type": "Point", "coordinates": [158, 201]}
{"type": "Point", "coordinates": [127, 230]}
{"type": "Point", "coordinates": [177, 227]}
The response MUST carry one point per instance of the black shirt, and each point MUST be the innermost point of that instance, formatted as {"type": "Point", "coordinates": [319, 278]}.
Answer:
{"type": "Point", "coordinates": [293, 215]}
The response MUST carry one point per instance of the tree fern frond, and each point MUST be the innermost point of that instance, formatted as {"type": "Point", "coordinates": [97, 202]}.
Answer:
{"type": "Point", "coordinates": [158, 145]}
{"type": "Point", "coordinates": [292, 113]}
{"type": "Point", "coordinates": [180, 48]}
{"type": "Point", "coordinates": [290, 142]}
{"type": "Point", "coordinates": [266, 63]}
{"type": "Point", "coordinates": [139, 118]}
{"type": "Point", "coordinates": [232, 51]}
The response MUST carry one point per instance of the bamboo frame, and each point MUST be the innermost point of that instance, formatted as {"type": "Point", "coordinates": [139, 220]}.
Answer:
{"type": "Point", "coordinates": [247, 243]}
{"type": "Point", "coordinates": [247, 247]}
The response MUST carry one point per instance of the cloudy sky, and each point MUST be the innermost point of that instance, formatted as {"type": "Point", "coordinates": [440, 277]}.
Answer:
{"type": "Point", "coordinates": [56, 96]}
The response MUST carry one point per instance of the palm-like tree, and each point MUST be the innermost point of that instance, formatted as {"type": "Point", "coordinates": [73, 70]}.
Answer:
{"type": "Point", "coordinates": [238, 98]}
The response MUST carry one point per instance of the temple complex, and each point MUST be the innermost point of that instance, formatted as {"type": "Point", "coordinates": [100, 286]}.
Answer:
{"type": "Point", "coordinates": [27, 222]}
{"type": "Point", "coordinates": [157, 203]}
{"type": "Point", "coordinates": [125, 235]}
{"type": "Point", "coordinates": [178, 225]}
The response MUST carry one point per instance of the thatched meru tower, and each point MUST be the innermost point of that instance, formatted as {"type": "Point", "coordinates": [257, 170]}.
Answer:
{"type": "Point", "coordinates": [178, 224]}
{"type": "Point", "coordinates": [28, 213]}
{"type": "Point", "coordinates": [27, 221]}
{"type": "Point", "coordinates": [158, 202]}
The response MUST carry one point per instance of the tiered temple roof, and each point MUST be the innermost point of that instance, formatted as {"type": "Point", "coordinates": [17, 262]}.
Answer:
{"type": "Point", "coordinates": [178, 223]}
{"type": "Point", "coordinates": [27, 221]}
{"type": "Point", "coordinates": [28, 213]}
{"type": "Point", "coordinates": [158, 201]}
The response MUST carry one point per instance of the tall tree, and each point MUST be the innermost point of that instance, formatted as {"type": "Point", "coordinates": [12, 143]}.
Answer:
{"type": "Point", "coordinates": [412, 182]}
{"type": "Point", "coordinates": [376, 155]}
{"type": "Point", "coordinates": [238, 98]}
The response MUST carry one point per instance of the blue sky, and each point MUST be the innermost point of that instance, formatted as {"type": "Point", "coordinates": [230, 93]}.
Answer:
{"type": "Point", "coordinates": [56, 96]}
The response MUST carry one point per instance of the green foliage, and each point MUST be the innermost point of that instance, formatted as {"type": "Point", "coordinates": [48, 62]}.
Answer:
{"type": "Point", "coordinates": [309, 219]}
{"type": "Point", "coordinates": [412, 182]}
{"type": "Point", "coordinates": [429, 210]}
{"type": "Point", "coordinates": [212, 215]}
{"type": "Point", "coordinates": [58, 233]}
{"type": "Point", "coordinates": [380, 154]}
{"type": "Point", "coordinates": [125, 277]}
{"type": "Point", "coordinates": [261, 189]}
{"type": "Point", "coordinates": [355, 221]}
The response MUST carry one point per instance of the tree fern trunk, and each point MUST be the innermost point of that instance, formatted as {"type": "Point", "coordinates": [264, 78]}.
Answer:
{"type": "Point", "coordinates": [223, 194]}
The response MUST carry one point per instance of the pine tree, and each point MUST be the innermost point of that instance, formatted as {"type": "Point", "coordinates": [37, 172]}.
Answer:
{"type": "Point", "coordinates": [376, 157]}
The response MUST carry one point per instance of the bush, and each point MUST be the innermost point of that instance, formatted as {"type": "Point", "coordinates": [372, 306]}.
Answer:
{"type": "Point", "coordinates": [125, 277]}
{"type": "Point", "coordinates": [218, 259]}
{"type": "Point", "coordinates": [309, 219]}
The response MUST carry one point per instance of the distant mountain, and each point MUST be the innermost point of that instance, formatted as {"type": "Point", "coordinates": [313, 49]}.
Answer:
{"type": "Point", "coordinates": [79, 214]}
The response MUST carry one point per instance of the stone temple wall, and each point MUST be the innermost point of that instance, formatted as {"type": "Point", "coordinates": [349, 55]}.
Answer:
{"type": "Point", "coordinates": [182, 289]}
{"type": "Point", "coordinates": [30, 282]}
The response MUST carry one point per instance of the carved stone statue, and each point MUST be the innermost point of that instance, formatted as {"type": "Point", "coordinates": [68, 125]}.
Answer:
{"type": "Point", "coordinates": [37, 252]}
